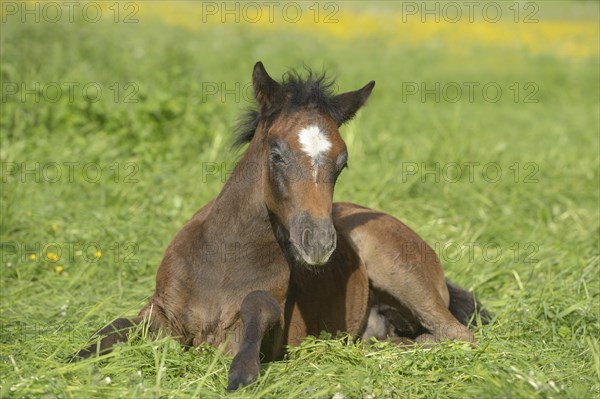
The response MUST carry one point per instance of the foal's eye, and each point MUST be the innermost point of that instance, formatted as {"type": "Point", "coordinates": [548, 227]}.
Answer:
{"type": "Point", "coordinates": [344, 166]}
{"type": "Point", "coordinates": [338, 171]}
{"type": "Point", "coordinates": [341, 163]}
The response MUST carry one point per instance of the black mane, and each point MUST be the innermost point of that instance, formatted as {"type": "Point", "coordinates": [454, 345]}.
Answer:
{"type": "Point", "coordinates": [313, 91]}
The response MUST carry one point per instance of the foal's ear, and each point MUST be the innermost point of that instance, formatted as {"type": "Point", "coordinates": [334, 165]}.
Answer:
{"type": "Point", "coordinates": [346, 104]}
{"type": "Point", "coordinates": [267, 91]}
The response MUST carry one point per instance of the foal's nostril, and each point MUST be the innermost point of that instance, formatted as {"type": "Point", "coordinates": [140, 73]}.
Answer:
{"type": "Point", "coordinates": [313, 240]}
{"type": "Point", "coordinates": [306, 238]}
{"type": "Point", "coordinates": [333, 239]}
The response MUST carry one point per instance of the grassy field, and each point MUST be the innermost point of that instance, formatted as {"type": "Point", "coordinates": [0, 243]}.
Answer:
{"type": "Point", "coordinates": [482, 136]}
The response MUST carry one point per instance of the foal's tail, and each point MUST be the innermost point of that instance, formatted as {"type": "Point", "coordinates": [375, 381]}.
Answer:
{"type": "Point", "coordinates": [465, 307]}
{"type": "Point", "coordinates": [115, 332]}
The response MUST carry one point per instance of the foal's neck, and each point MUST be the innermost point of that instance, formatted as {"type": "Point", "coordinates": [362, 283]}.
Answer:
{"type": "Point", "coordinates": [239, 210]}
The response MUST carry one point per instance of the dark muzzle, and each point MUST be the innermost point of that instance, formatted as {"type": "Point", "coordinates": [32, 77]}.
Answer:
{"type": "Point", "coordinates": [315, 240]}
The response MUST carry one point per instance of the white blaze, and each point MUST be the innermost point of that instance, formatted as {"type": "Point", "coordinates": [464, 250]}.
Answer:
{"type": "Point", "coordinates": [314, 144]}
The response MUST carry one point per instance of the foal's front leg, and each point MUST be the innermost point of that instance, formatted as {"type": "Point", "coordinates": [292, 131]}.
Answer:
{"type": "Point", "coordinates": [259, 312]}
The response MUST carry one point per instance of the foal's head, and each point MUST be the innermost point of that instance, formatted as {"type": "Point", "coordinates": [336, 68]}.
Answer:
{"type": "Point", "coordinates": [296, 133]}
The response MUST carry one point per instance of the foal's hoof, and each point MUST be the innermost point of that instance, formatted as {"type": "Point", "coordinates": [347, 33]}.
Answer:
{"type": "Point", "coordinates": [243, 371]}
{"type": "Point", "coordinates": [239, 380]}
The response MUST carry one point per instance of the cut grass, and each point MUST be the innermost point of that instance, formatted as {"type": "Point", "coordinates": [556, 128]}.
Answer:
{"type": "Point", "coordinates": [543, 286]}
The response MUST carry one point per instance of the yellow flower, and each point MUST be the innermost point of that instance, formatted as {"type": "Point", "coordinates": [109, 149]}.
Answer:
{"type": "Point", "coordinates": [32, 257]}
{"type": "Point", "coordinates": [59, 269]}
{"type": "Point", "coordinates": [569, 38]}
{"type": "Point", "coordinates": [52, 257]}
{"type": "Point", "coordinates": [98, 254]}
{"type": "Point", "coordinates": [54, 227]}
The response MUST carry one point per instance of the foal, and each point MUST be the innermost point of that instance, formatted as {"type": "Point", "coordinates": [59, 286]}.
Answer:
{"type": "Point", "coordinates": [272, 259]}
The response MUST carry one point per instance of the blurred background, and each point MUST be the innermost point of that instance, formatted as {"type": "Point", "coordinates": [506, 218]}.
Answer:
{"type": "Point", "coordinates": [481, 134]}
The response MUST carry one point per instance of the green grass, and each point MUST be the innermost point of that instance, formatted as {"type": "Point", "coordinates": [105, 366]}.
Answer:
{"type": "Point", "coordinates": [543, 289]}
